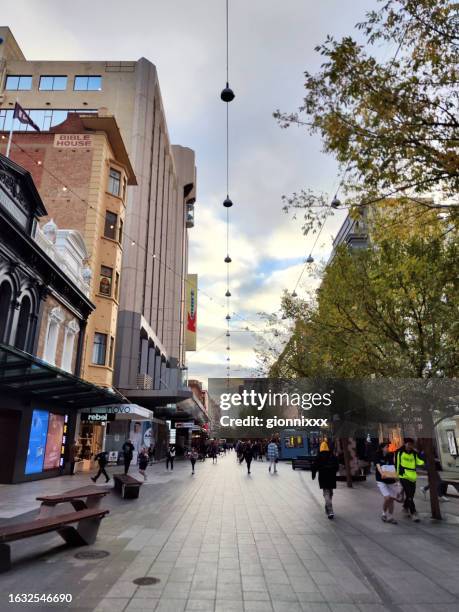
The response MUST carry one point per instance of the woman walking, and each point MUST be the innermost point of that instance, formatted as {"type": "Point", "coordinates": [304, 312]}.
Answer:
{"type": "Point", "coordinates": [326, 465]}
{"type": "Point", "coordinates": [386, 484]}
{"type": "Point", "coordinates": [143, 463]}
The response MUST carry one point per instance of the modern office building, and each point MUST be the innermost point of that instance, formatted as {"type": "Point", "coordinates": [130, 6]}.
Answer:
{"type": "Point", "coordinates": [150, 348]}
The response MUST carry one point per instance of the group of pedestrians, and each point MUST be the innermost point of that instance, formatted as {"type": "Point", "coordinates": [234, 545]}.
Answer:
{"type": "Point", "coordinates": [395, 474]}
{"type": "Point", "coordinates": [128, 453]}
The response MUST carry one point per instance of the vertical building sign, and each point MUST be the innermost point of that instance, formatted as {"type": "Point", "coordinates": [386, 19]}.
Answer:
{"type": "Point", "coordinates": [191, 311]}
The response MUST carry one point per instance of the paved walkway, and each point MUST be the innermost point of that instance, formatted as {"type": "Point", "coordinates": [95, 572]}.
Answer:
{"type": "Point", "coordinates": [224, 541]}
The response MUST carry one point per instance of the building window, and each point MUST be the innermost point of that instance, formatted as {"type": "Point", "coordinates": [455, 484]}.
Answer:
{"type": "Point", "coordinates": [45, 119]}
{"type": "Point", "coordinates": [106, 277]}
{"type": "Point", "coordinates": [112, 351]}
{"type": "Point", "coordinates": [110, 225]}
{"type": "Point", "coordinates": [71, 330]}
{"type": "Point", "coordinates": [114, 182]}
{"type": "Point", "coordinates": [87, 83]}
{"type": "Point", "coordinates": [99, 350]}
{"type": "Point", "coordinates": [23, 324]}
{"type": "Point", "coordinates": [117, 285]}
{"type": "Point", "coordinates": [53, 83]}
{"type": "Point", "coordinates": [120, 232]}
{"type": "Point", "coordinates": [55, 318]}
{"type": "Point", "coordinates": [18, 83]}
{"type": "Point", "coordinates": [6, 297]}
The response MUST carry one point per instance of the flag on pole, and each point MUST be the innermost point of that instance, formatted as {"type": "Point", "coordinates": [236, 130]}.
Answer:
{"type": "Point", "coordinates": [23, 117]}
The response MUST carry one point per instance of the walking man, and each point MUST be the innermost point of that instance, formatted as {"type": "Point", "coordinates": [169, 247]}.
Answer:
{"type": "Point", "coordinates": [193, 457]}
{"type": "Point", "coordinates": [102, 460]}
{"type": "Point", "coordinates": [248, 455]}
{"type": "Point", "coordinates": [170, 457]}
{"type": "Point", "coordinates": [407, 460]}
{"type": "Point", "coordinates": [272, 454]}
{"type": "Point", "coordinates": [326, 465]}
{"type": "Point", "coordinates": [128, 450]}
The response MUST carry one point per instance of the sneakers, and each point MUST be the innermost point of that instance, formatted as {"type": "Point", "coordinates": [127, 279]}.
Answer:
{"type": "Point", "coordinates": [331, 515]}
{"type": "Point", "coordinates": [384, 518]}
{"type": "Point", "coordinates": [391, 520]}
{"type": "Point", "coordinates": [443, 498]}
{"type": "Point", "coordinates": [415, 517]}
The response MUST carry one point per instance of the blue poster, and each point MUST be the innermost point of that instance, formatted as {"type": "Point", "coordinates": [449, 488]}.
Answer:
{"type": "Point", "coordinates": [37, 442]}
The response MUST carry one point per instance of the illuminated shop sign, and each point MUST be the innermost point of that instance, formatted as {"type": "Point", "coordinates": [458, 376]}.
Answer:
{"type": "Point", "coordinates": [47, 441]}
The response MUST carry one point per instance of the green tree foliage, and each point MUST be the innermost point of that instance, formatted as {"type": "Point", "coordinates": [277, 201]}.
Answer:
{"type": "Point", "coordinates": [392, 124]}
{"type": "Point", "coordinates": [389, 310]}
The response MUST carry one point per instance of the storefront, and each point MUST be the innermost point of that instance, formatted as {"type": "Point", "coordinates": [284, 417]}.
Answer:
{"type": "Point", "coordinates": [39, 405]}
{"type": "Point", "coordinates": [108, 427]}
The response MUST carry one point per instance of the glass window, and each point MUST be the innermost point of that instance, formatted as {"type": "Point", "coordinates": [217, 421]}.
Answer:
{"type": "Point", "coordinates": [112, 351]}
{"type": "Point", "coordinates": [43, 118]}
{"type": "Point", "coordinates": [294, 442]}
{"type": "Point", "coordinates": [120, 232]}
{"type": "Point", "coordinates": [114, 182]}
{"type": "Point", "coordinates": [18, 83]}
{"type": "Point", "coordinates": [105, 283]}
{"type": "Point", "coordinates": [53, 83]}
{"type": "Point", "coordinates": [87, 83]}
{"type": "Point", "coordinates": [110, 225]}
{"type": "Point", "coordinates": [117, 285]}
{"type": "Point", "coordinates": [99, 349]}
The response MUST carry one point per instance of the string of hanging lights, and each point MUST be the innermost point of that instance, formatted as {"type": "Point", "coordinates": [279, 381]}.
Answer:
{"type": "Point", "coordinates": [227, 95]}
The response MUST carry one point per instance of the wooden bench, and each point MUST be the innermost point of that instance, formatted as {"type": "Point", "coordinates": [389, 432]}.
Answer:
{"type": "Point", "coordinates": [85, 532]}
{"type": "Point", "coordinates": [302, 463]}
{"type": "Point", "coordinates": [81, 499]}
{"type": "Point", "coordinates": [126, 485]}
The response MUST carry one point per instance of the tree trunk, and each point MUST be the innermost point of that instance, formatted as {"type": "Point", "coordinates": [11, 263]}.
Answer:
{"type": "Point", "coordinates": [433, 478]}
{"type": "Point", "coordinates": [347, 461]}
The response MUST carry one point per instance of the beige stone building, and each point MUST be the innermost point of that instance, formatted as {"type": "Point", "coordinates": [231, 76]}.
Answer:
{"type": "Point", "coordinates": [150, 351]}
{"type": "Point", "coordinates": [82, 171]}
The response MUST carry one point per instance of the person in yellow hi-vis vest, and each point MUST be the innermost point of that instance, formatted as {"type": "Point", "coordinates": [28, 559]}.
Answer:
{"type": "Point", "coordinates": [407, 460]}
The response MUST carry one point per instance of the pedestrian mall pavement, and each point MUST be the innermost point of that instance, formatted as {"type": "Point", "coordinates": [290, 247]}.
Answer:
{"type": "Point", "coordinates": [225, 541]}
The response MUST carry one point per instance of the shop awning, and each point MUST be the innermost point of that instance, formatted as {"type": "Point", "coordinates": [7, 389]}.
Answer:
{"type": "Point", "coordinates": [28, 376]}
{"type": "Point", "coordinates": [124, 412]}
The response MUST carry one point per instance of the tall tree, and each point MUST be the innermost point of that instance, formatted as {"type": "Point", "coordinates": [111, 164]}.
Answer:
{"type": "Point", "coordinates": [392, 124]}
{"type": "Point", "coordinates": [387, 311]}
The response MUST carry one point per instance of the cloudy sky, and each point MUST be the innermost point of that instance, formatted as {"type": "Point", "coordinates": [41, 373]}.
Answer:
{"type": "Point", "coordinates": [271, 44]}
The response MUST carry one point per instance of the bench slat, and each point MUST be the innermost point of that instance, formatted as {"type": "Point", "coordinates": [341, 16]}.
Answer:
{"type": "Point", "coordinates": [9, 533]}
{"type": "Point", "coordinates": [89, 491]}
{"type": "Point", "coordinates": [126, 479]}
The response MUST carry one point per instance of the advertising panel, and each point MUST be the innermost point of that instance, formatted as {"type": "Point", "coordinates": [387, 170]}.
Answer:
{"type": "Point", "coordinates": [37, 442]}
{"type": "Point", "coordinates": [191, 303]}
{"type": "Point", "coordinates": [141, 435]}
{"type": "Point", "coordinates": [54, 441]}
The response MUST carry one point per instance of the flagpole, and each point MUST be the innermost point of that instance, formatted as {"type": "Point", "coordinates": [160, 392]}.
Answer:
{"type": "Point", "coordinates": [10, 137]}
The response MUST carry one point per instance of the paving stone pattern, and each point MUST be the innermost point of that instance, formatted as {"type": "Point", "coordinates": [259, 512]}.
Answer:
{"type": "Point", "coordinates": [223, 541]}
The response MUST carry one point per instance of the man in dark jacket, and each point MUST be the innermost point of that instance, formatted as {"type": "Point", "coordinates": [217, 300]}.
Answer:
{"type": "Point", "coordinates": [128, 449]}
{"type": "Point", "coordinates": [326, 464]}
{"type": "Point", "coordinates": [248, 454]}
{"type": "Point", "coordinates": [102, 460]}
